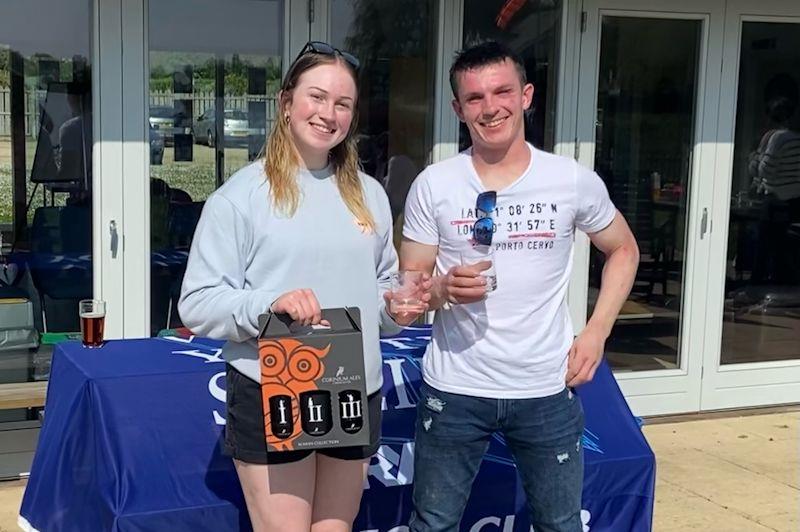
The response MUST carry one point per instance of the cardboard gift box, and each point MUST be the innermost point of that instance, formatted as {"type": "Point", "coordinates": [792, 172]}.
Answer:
{"type": "Point", "coordinates": [312, 382]}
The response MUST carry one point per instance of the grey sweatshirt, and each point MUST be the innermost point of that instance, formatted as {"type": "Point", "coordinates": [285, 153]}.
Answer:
{"type": "Point", "coordinates": [245, 255]}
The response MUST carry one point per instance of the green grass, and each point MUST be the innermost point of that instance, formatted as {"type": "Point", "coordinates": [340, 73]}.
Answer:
{"type": "Point", "coordinates": [6, 184]}
{"type": "Point", "coordinates": [197, 177]}
{"type": "Point", "coordinates": [6, 196]}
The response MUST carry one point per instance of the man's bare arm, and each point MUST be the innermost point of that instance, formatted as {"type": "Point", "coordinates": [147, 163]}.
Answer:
{"type": "Point", "coordinates": [462, 284]}
{"type": "Point", "coordinates": [622, 260]}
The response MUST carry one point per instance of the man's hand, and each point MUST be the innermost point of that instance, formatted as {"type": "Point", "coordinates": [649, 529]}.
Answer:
{"type": "Point", "coordinates": [301, 305]}
{"type": "Point", "coordinates": [423, 293]}
{"type": "Point", "coordinates": [584, 356]}
{"type": "Point", "coordinates": [464, 284]}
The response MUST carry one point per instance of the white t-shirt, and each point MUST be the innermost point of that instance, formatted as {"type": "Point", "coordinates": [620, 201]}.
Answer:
{"type": "Point", "coordinates": [514, 343]}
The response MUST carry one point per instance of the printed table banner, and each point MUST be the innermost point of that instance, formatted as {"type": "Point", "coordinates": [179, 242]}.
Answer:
{"type": "Point", "coordinates": [132, 436]}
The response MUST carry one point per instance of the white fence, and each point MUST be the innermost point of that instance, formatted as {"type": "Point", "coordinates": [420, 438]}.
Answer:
{"type": "Point", "coordinates": [31, 124]}
{"type": "Point", "coordinates": [203, 100]}
{"type": "Point", "coordinates": [200, 102]}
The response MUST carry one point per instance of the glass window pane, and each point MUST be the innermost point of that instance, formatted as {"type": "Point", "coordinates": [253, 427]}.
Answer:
{"type": "Point", "coordinates": [644, 137]}
{"type": "Point", "coordinates": [533, 30]}
{"type": "Point", "coordinates": [212, 102]}
{"type": "Point", "coordinates": [762, 282]}
{"type": "Point", "coordinates": [45, 182]}
{"type": "Point", "coordinates": [394, 41]}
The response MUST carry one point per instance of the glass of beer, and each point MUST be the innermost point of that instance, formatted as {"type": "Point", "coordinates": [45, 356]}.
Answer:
{"type": "Point", "coordinates": [93, 318]}
{"type": "Point", "coordinates": [407, 291]}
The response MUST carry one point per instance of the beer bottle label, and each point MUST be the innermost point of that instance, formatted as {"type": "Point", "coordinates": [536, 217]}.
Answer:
{"type": "Point", "coordinates": [351, 411]}
{"type": "Point", "coordinates": [280, 416]}
{"type": "Point", "coordinates": [315, 412]}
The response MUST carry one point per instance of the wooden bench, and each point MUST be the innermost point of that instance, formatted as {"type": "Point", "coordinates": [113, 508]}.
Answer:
{"type": "Point", "coordinates": [22, 394]}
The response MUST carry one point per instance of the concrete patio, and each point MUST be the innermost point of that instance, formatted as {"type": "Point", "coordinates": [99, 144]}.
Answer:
{"type": "Point", "coordinates": [734, 471]}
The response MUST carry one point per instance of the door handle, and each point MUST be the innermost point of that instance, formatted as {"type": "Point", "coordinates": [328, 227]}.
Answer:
{"type": "Point", "coordinates": [112, 230]}
{"type": "Point", "coordinates": [704, 223]}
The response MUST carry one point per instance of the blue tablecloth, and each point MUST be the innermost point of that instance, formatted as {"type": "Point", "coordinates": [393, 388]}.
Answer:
{"type": "Point", "coordinates": [168, 258]}
{"type": "Point", "coordinates": [132, 433]}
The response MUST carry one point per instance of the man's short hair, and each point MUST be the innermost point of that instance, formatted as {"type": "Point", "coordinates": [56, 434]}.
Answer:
{"type": "Point", "coordinates": [481, 55]}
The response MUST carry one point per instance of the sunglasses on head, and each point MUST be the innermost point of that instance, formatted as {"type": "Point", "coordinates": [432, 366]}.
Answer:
{"type": "Point", "coordinates": [483, 229]}
{"type": "Point", "coordinates": [319, 47]}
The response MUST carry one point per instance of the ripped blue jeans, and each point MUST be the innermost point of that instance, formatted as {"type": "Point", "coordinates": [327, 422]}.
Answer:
{"type": "Point", "coordinates": [453, 433]}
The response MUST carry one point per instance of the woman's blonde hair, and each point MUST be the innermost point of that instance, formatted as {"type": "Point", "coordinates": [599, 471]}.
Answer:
{"type": "Point", "coordinates": [281, 157]}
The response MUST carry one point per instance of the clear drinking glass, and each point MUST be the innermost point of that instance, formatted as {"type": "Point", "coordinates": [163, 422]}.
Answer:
{"type": "Point", "coordinates": [407, 291]}
{"type": "Point", "coordinates": [477, 254]}
{"type": "Point", "coordinates": [93, 318]}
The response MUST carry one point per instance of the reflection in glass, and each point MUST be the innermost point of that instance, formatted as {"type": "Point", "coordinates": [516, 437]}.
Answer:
{"type": "Point", "coordinates": [45, 183]}
{"type": "Point", "coordinates": [762, 283]}
{"type": "Point", "coordinates": [533, 30]}
{"type": "Point", "coordinates": [212, 102]}
{"type": "Point", "coordinates": [394, 42]}
{"type": "Point", "coordinates": [644, 134]}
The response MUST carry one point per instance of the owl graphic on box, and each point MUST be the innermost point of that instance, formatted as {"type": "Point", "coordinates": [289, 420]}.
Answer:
{"type": "Point", "coordinates": [288, 367]}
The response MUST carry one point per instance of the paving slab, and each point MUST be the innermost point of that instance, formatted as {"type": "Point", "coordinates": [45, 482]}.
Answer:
{"type": "Point", "coordinates": [726, 484]}
{"type": "Point", "coordinates": [678, 510]}
{"type": "Point", "coordinates": [737, 474]}
{"type": "Point", "coordinates": [766, 445]}
{"type": "Point", "coordinates": [10, 500]}
{"type": "Point", "coordinates": [733, 473]}
{"type": "Point", "coordinates": [773, 427]}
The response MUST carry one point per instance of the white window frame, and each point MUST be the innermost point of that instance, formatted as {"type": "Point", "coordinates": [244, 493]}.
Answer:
{"type": "Point", "coordinates": [107, 161]}
{"type": "Point", "coordinates": [668, 390]}
{"type": "Point", "coordinates": [758, 383]}
{"type": "Point", "coordinates": [121, 155]}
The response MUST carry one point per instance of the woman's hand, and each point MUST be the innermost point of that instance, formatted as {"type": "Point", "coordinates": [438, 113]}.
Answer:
{"type": "Point", "coordinates": [301, 305]}
{"type": "Point", "coordinates": [422, 293]}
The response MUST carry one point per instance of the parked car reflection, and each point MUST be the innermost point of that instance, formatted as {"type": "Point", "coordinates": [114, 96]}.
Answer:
{"type": "Point", "coordinates": [156, 146]}
{"type": "Point", "coordinates": [236, 127]}
{"type": "Point", "coordinates": [162, 118]}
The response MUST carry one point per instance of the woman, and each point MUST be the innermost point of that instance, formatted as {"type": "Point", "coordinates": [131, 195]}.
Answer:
{"type": "Point", "coordinates": [299, 231]}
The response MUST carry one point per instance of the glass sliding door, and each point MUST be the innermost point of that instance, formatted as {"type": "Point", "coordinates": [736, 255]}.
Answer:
{"type": "Point", "coordinates": [46, 202]}
{"type": "Point", "coordinates": [752, 354]}
{"type": "Point", "coordinates": [644, 139]}
{"type": "Point", "coordinates": [395, 41]}
{"type": "Point", "coordinates": [647, 109]}
{"type": "Point", "coordinates": [212, 101]}
{"type": "Point", "coordinates": [761, 320]}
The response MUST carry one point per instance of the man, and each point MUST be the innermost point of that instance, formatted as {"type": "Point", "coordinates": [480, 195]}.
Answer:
{"type": "Point", "coordinates": [505, 360]}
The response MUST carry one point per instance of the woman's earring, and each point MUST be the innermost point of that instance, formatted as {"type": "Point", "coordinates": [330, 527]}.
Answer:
{"type": "Point", "coordinates": [286, 118]}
